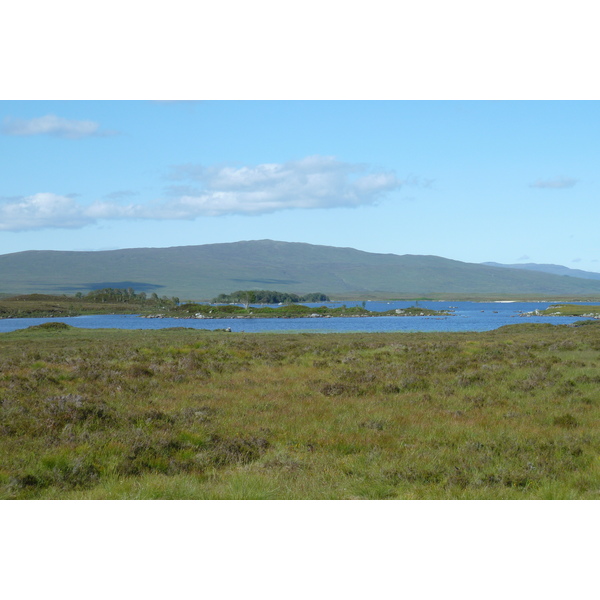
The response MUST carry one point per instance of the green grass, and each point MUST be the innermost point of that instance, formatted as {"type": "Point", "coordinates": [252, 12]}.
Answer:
{"type": "Point", "coordinates": [572, 310]}
{"type": "Point", "coordinates": [192, 414]}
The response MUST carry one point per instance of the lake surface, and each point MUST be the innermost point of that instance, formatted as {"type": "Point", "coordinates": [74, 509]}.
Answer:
{"type": "Point", "coordinates": [466, 316]}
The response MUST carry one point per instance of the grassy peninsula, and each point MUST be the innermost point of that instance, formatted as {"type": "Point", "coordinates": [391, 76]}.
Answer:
{"type": "Point", "coordinates": [572, 310]}
{"type": "Point", "coordinates": [99, 302]}
{"type": "Point", "coordinates": [193, 414]}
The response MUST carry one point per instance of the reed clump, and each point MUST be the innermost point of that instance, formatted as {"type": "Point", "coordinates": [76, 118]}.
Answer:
{"type": "Point", "coordinates": [185, 413]}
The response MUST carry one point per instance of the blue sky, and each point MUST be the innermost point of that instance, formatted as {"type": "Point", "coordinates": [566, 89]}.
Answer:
{"type": "Point", "coordinates": [506, 181]}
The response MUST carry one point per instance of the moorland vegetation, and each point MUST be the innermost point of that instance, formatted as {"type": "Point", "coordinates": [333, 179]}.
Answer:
{"type": "Point", "coordinates": [96, 302]}
{"type": "Point", "coordinates": [194, 414]}
{"type": "Point", "coordinates": [571, 310]}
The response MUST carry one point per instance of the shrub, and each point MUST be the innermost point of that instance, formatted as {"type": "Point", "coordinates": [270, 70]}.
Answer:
{"type": "Point", "coordinates": [566, 420]}
{"type": "Point", "coordinates": [50, 326]}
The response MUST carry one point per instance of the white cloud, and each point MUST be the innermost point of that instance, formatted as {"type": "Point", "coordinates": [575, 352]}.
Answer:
{"type": "Point", "coordinates": [46, 210]}
{"type": "Point", "coordinates": [40, 211]}
{"type": "Point", "coordinates": [554, 184]}
{"type": "Point", "coordinates": [54, 126]}
{"type": "Point", "coordinates": [312, 182]}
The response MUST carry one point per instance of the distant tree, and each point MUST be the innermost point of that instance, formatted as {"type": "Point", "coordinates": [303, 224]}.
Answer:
{"type": "Point", "coordinates": [112, 295]}
{"type": "Point", "coordinates": [247, 297]}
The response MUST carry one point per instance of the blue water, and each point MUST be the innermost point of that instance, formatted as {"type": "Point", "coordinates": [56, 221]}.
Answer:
{"type": "Point", "coordinates": [466, 316]}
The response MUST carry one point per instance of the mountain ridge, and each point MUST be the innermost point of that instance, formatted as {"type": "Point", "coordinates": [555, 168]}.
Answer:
{"type": "Point", "coordinates": [201, 272]}
{"type": "Point", "coordinates": [547, 268]}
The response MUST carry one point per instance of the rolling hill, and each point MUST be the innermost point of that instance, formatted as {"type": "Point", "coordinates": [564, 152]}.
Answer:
{"type": "Point", "coordinates": [202, 272]}
{"type": "Point", "coordinates": [554, 269]}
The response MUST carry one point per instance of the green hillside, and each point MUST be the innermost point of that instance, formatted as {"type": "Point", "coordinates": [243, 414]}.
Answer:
{"type": "Point", "coordinates": [203, 272]}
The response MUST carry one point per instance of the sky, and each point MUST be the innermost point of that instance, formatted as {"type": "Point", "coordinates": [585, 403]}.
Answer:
{"type": "Point", "coordinates": [475, 181]}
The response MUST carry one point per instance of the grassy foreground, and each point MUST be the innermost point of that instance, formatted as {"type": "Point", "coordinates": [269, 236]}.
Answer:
{"type": "Point", "coordinates": [192, 414]}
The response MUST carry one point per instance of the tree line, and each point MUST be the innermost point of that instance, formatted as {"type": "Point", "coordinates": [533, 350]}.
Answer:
{"type": "Point", "coordinates": [127, 295]}
{"type": "Point", "coordinates": [267, 297]}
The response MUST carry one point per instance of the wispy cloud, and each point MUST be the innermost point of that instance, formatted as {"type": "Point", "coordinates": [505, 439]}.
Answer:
{"type": "Point", "coordinates": [118, 194]}
{"type": "Point", "coordinates": [417, 181]}
{"type": "Point", "coordinates": [560, 183]}
{"type": "Point", "coordinates": [54, 126]}
{"type": "Point", "coordinates": [310, 183]}
{"type": "Point", "coordinates": [182, 190]}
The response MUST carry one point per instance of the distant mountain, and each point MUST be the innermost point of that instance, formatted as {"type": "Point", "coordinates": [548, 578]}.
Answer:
{"type": "Point", "coordinates": [205, 271]}
{"type": "Point", "coordinates": [553, 269]}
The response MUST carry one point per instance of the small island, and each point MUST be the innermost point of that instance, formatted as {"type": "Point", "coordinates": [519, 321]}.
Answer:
{"type": "Point", "coordinates": [127, 301]}
{"type": "Point", "coordinates": [247, 297]}
{"type": "Point", "coordinates": [287, 311]}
